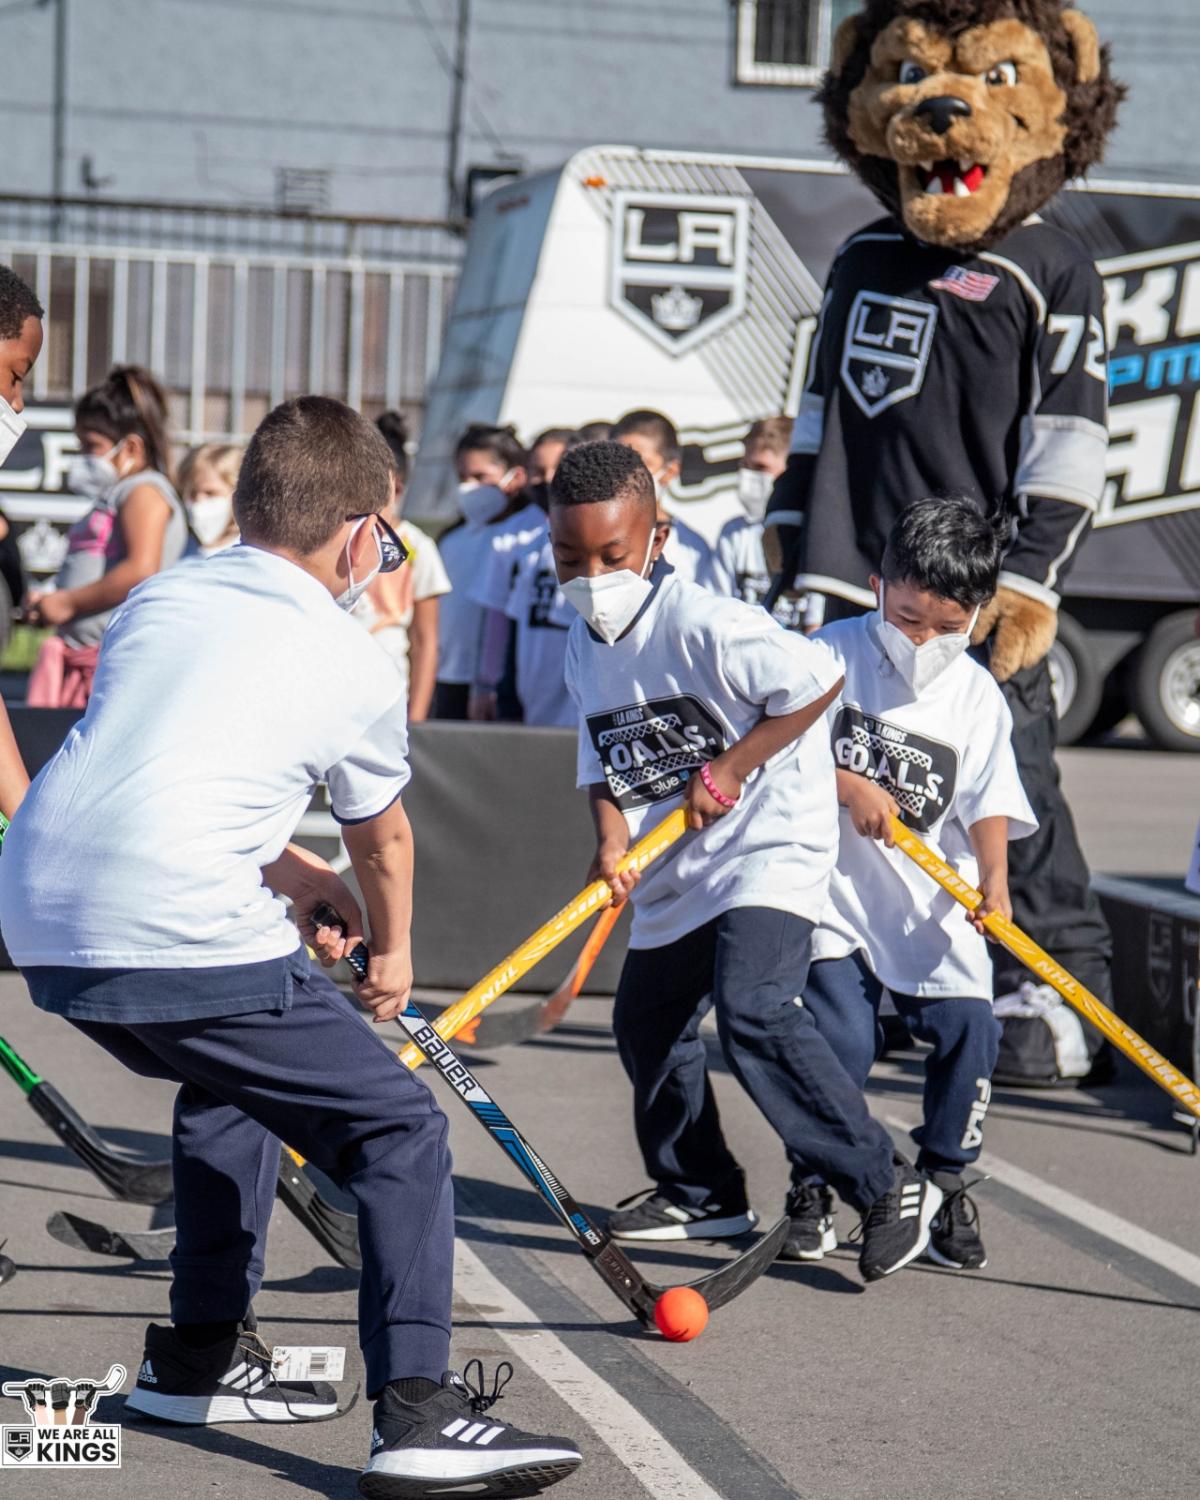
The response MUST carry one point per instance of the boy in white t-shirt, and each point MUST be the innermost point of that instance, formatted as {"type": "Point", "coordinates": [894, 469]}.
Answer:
{"type": "Point", "coordinates": [655, 440]}
{"type": "Point", "coordinates": [136, 896]}
{"type": "Point", "coordinates": [922, 732]}
{"type": "Point", "coordinates": [541, 617]}
{"type": "Point", "coordinates": [684, 697]}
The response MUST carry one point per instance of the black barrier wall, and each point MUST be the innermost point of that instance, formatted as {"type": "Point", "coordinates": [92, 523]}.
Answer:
{"type": "Point", "coordinates": [503, 840]}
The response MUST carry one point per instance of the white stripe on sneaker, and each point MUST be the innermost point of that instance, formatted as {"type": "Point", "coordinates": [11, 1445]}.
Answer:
{"type": "Point", "coordinates": [454, 1428]}
{"type": "Point", "coordinates": [492, 1432]}
{"type": "Point", "coordinates": [472, 1432]}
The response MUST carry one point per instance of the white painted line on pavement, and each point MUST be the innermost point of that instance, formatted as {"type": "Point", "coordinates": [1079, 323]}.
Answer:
{"type": "Point", "coordinates": [637, 1443]}
{"type": "Point", "coordinates": [1152, 1247]}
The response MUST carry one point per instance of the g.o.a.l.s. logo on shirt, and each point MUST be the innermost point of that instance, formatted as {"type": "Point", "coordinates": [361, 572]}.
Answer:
{"type": "Point", "coordinates": [919, 772]}
{"type": "Point", "coordinates": [886, 349]}
{"type": "Point", "coordinates": [679, 264]}
{"type": "Point", "coordinates": [648, 750]}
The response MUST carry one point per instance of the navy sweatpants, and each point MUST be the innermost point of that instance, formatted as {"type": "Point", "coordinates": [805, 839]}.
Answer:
{"type": "Point", "coordinates": [750, 964]}
{"type": "Point", "coordinates": [318, 1078]}
{"type": "Point", "coordinates": [842, 996]}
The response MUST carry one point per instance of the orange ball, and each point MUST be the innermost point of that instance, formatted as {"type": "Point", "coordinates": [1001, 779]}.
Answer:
{"type": "Point", "coordinates": [681, 1314]}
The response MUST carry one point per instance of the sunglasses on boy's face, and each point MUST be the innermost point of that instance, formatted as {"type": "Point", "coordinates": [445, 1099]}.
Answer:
{"type": "Point", "coordinates": [391, 548]}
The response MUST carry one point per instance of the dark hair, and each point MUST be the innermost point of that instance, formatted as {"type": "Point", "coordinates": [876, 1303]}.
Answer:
{"type": "Point", "coordinates": [394, 428]}
{"type": "Point", "coordinates": [652, 424]}
{"type": "Point", "coordinates": [501, 442]}
{"type": "Point", "coordinates": [17, 304]}
{"type": "Point", "coordinates": [595, 432]}
{"type": "Point", "coordinates": [947, 548]}
{"type": "Point", "coordinates": [567, 436]}
{"type": "Point", "coordinates": [774, 433]}
{"type": "Point", "coordinates": [311, 463]}
{"type": "Point", "coordinates": [605, 470]}
{"type": "Point", "coordinates": [129, 402]}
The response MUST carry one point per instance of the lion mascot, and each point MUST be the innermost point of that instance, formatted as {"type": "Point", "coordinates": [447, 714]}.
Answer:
{"type": "Point", "coordinates": [961, 351]}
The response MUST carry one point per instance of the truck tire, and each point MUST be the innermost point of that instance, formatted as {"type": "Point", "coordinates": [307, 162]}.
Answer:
{"type": "Point", "coordinates": [1165, 683]}
{"type": "Point", "coordinates": [1076, 679]}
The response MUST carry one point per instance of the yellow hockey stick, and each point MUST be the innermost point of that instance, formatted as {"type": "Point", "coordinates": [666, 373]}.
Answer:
{"type": "Point", "coordinates": [548, 936]}
{"type": "Point", "coordinates": [1038, 961]}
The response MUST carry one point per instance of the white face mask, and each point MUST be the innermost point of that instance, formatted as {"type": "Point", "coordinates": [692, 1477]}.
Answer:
{"type": "Point", "coordinates": [210, 518]}
{"type": "Point", "coordinates": [481, 503]}
{"type": "Point", "coordinates": [754, 490]}
{"type": "Point", "coordinates": [610, 601]}
{"type": "Point", "coordinates": [921, 665]}
{"type": "Point", "coordinates": [92, 475]}
{"type": "Point", "coordinates": [11, 428]}
{"type": "Point", "coordinates": [350, 595]}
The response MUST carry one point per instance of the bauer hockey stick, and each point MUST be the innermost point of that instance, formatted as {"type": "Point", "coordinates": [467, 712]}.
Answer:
{"type": "Point", "coordinates": [1038, 961]}
{"type": "Point", "coordinates": [517, 1026]}
{"type": "Point", "coordinates": [614, 1267]}
{"type": "Point", "coordinates": [136, 1182]}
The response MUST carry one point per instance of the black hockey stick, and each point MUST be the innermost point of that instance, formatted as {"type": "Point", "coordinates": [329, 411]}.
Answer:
{"type": "Point", "coordinates": [336, 1232]}
{"type": "Point", "coordinates": [615, 1268]}
{"type": "Point", "coordinates": [7, 1269]}
{"type": "Point", "coordinates": [136, 1182]}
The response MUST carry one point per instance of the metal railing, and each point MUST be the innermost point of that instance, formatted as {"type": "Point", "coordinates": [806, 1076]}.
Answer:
{"type": "Point", "coordinates": [235, 310]}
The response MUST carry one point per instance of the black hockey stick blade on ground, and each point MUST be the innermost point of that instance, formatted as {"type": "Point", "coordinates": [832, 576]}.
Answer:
{"type": "Point", "coordinates": [126, 1244]}
{"type": "Point", "coordinates": [134, 1181]}
{"type": "Point", "coordinates": [7, 1269]}
{"type": "Point", "coordinates": [333, 1230]}
{"type": "Point", "coordinates": [722, 1286]}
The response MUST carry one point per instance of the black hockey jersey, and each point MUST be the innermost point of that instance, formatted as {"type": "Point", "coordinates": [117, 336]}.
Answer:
{"type": "Point", "coordinates": [934, 374]}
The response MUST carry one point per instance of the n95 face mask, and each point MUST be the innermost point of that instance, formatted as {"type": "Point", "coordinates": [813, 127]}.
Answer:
{"type": "Point", "coordinates": [754, 491]}
{"type": "Point", "coordinates": [609, 602]}
{"type": "Point", "coordinates": [12, 425]}
{"type": "Point", "coordinates": [923, 664]}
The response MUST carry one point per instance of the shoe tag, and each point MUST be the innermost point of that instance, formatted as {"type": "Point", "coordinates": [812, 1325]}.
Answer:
{"type": "Point", "coordinates": [323, 1362]}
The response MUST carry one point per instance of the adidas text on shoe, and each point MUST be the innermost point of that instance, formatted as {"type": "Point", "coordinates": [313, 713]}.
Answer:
{"type": "Point", "coordinates": [658, 1218]}
{"type": "Point", "coordinates": [954, 1239]}
{"type": "Point", "coordinates": [232, 1381]}
{"type": "Point", "coordinates": [448, 1445]}
{"type": "Point", "coordinates": [895, 1229]}
{"type": "Point", "coordinates": [811, 1235]}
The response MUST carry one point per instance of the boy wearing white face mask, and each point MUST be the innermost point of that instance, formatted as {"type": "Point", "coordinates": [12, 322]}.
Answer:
{"type": "Point", "coordinates": [922, 732]}
{"type": "Point", "coordinates": [684, 697]}
{"type": "Point", "coordinates": [739, 566]}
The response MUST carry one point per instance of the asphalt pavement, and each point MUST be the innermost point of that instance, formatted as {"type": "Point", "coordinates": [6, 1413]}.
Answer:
{"type": "Point", "coordinates": [1060, 1370]}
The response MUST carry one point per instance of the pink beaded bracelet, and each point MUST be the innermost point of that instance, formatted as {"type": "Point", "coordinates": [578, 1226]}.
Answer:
{"type": "Point", "coordinates": [713, 790]}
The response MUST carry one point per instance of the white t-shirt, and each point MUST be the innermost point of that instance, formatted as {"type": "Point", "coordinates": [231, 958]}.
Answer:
{"type": "Point", "coordinates": [690, 555]}
{"type": "Point", "coordinates": [479, 562]}
{"type": "Point", "coordinates": [227, 688]}
{"type": "Point", "coordinates": [740, 570]}
{"type": "Point", "coordinates": [692, 676]}
{"type": "Point", "coordinates": [947, 759]}
{"type": "Point", "coordinates": [542, 617]}
{"type": "Point", "coordinates": [423, 576]}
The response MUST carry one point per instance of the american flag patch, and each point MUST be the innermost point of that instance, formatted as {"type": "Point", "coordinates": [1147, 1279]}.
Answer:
{"type": "Point", "coordinates": [971, 286]}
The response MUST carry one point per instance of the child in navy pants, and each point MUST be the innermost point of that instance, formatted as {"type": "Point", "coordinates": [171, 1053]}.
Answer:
{"type": "Point", "coordinates": [140, 894]}
{"type": "Point", "coordinates": [921, 732]}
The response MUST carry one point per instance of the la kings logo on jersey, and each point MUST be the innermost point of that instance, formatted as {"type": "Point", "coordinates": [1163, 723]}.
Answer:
{"type": "Point", "coordinates": [886, 350]}
{"type": "Point", "coordinates": [920, 773]}
{"type": "Point", "coordinates": [649, 750]}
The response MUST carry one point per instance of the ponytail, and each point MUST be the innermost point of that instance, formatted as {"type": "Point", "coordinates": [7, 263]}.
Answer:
{"type": "Point", "coordinates": [129, 401]}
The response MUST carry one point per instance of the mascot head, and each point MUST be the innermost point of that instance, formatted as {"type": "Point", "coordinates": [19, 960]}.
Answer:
{"type": "Point", "coordinates": [965, 116]}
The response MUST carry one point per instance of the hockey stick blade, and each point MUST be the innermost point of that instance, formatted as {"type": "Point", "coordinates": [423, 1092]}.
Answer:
{"type": "Point", "coordinates": [135, 1182]}
{"type": "Point", "coordinates": [128, 1244]}
{"type": "Point", "coordinates": [333, 1230]}
{"type": "Point", "coordinates": [723, 1285]}
{"type": "Point", "coordinates": [7, 1269]}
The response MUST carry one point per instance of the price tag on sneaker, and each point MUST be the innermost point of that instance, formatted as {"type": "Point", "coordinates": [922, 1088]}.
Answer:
{"type": "Point", "coordinates": [317, 1362]}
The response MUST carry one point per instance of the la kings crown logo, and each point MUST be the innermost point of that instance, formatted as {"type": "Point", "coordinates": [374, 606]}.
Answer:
{"type": "Point", "coordinates": [679, 264]}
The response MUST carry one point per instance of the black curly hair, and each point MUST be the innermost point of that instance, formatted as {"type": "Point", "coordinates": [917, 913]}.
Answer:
{"type": "Point", "coordinates": [605, 470]}
{"type": "Point", "coordinates": [1089, 117]}
{"type": "Point", "coordinates": [17, 304]}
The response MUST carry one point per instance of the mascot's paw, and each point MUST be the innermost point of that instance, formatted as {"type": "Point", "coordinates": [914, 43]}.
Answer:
{"type": "Point", "coordinates": [1020, 631]}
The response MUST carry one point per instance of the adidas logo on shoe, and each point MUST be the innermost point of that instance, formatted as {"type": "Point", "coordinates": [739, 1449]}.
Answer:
{"type": "Point", "coordinates": [910, 1199]}
{"type": "Point", "coordinates": [146, 1375]}
{"type": "Point", "coordinates": [472, 1432]}
{"type": "Point", "coordinates": [376, 1440]}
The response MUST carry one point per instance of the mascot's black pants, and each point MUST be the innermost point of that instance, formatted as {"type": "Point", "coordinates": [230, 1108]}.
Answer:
{"type": "Point", "coordinates": [1048, 876]}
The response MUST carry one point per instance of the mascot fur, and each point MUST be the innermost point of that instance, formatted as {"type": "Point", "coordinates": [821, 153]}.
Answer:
{"type": "Point", "coordinates": [961, 351]}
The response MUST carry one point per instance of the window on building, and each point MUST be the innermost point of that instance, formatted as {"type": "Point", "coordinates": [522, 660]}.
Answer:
{"type": "Point", "coordinates": [787, 41]}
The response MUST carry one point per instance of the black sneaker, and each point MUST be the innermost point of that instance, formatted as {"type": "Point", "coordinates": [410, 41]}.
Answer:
{"type": "Point", "coordinates": [656, 1217]}
{"type": "Point", "coordinates": [445, 1445]}
{"type": "Point", "coordinates": [231, 1381]}
{"type": "Point", "coordinates": [810, 1209]}
{"type": "Point", "coordinates": [954, 1234]}
{"type": "Point", "coordinates": [895, 1229]}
